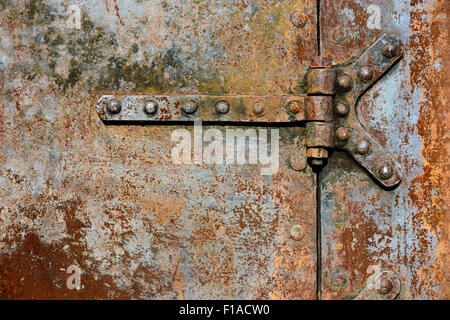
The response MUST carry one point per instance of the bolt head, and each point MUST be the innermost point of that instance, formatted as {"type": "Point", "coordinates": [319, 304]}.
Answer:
{"type": "Point", "coordinates": [297, 232]}
{"type": "Point", "coordinates": [342, 134]}
{"type": "Point", "coordinates": [385, 172]}
{"type": "Point", "coordinates": [114, 107]}
{"type": "Point", "coordinates": [298, 19]}
{"type": "Point", "coordinates": [345, 82]}
{"type": "Point", "coordinates": [150, 107]}
{"type": "Point", "coordinates": [189, 107]}
{"type": "Point", "coordinates": [294, 107]}
{"type": "Point", "coordinates": [386, 286]}
{"type": "Point", "coordinates": [342, 109]}
{"type": "Point", "coordinates": [390, 50]}
{"type": "Point", "coordinates": [298, 162]}
{"type": "Point", "coordinates": [363, 146]}
{"type": "Point", "coordinates": [222, 107]}
{"type": "Point", "coordinates": [365, 73]}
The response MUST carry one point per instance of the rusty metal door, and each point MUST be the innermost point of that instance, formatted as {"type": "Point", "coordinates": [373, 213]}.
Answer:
{"type": "Point", "coordinates": [398, 236]}
{"type": "Point", "coordinates": [92, 204]}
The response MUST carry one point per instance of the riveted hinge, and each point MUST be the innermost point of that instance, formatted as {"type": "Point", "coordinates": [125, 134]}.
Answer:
{"type": "Point", "coordinates": [353, 80]}
{"type": "Point", "coordinates": [329, 109]}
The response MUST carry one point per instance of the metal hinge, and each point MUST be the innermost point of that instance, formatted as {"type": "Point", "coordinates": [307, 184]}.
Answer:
{"type": "Point", "coordinates": [329, 109]}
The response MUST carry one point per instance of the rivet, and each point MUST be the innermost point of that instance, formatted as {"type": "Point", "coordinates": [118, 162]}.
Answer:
{"type": "Point", "coordinates": [298, 19]}
{"type": "Point", "coordinates": [150, 107]}
{"type": "Point", "coordinates": [363, 146]}
{"type": "Point", "coordinates": [365, 73]}
{"type": "Point", "coordinates": [294, 107]}
{"type": "Point", "coordinates": [298, 162]}
{"type": "Point", "coordinates": [189, 107]}
{"type": "Point", "coordinates": [345, 82]}
{"type": "Point", "coordinates": [342, 133]}
{"type": "Point", "coordinates": [390, 50]}
{"type": "Point", "coordinates": [114, 107]}
{"type": "Point", "coordinates": [258, 109]}
{"type": "Point", "coordinates": [222, 107]}
{"type": "Point", "coordinates": [297, 232]}
{"type": "Point", "coordinates": [385, 172]}
{"type": "Point", "coordinates": [386, 286]}
{"type": "Point", "coordinates": [342, 109]}
{"type": "Point", "coordinates": [338, 279]}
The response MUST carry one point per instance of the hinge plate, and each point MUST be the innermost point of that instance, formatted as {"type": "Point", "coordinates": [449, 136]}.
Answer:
{"type": "Point", "coordinates": [330, 109]}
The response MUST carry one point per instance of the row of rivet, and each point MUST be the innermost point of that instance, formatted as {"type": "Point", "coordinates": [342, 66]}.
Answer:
{"type": "Point", "coordinates": [365, 73]}
{"type": "Point", "coordinates": [150, 107]}
{"type": "Point", "coordinates": [363, 147]}
{"type": "Point", "coordinates": [345, 82]}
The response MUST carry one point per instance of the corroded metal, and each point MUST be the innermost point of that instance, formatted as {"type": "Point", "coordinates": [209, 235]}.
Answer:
{"type": "Point", "coordinates": [298, 161]}
{"type": "Point", "coordinates": [297, 232]}
{"type": "Point", "coordinates": [366, 228]}
{"type": "Point", "coordinates": [319, 134]}
{"type": "Point", "coordinates": [319, 108]}
{"type": "Point", "coordinates": [281, 109]}
{"type": "Point", "coordinates": [321, 80]}
{"type": "Point", "coordinates": [342, 109]}
{"type": "Point", "coordinates": [150, 107]}
{"type": "Point", "coordinates": [356, 77]}
{"type": "Point", "coordinates": [383, 285]}
{"type": "Point", "coordinates": [109, 199]}
{"type": "Point", "coordinates": [342, 134]}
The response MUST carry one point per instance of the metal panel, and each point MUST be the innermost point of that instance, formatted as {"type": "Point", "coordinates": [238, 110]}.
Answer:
{"type": "Point", "coordinates": [365, 228]}
{"type": "Point", "coordinates": [108, 199]}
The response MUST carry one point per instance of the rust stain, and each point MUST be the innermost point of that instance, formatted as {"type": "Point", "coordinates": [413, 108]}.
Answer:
{"type": "Point", "coordinates": [430, 190]}
{"type": "Point", "coordinates": [116, 8]}
{"type": "Point", "coordinates": [37, 270]}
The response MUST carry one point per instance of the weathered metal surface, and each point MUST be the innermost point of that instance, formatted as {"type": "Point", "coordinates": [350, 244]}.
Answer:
{"type": "Point", "coordinates": [360, 74]}
{"type": "Point", "coordinates": [277, 109]}
{"type": "Point", "coordinates": [319, 134]}
{"type": "Point", "coordinates": [319, 108]}
{"type": "Point", "coordinates": [321, 80]}
{"type": "Point", "coordinates": [108, 198]}
{"type": "Point", "coordinates": [382, 285]}
{"type": "Point", "coordinates": [366, 228]}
